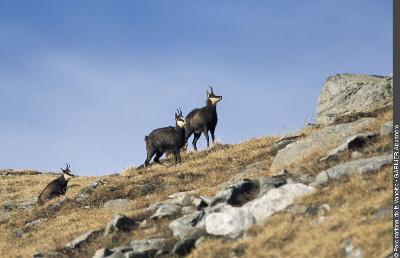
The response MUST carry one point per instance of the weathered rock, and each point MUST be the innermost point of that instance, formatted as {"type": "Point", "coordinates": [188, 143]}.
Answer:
{"type": "Point", "coordinates": [117, 255]}
{"type": "Point", "coordinates": [101, 253]}
{"type": "Point", "coordinates": [207, 200]}
{"type": "Point", "coordinates": [181, 198]}
{"type": "Point", "coordinates": [85, 192]}
{"type": "Point", "coordinates": [387, 128]}
{"type": "Point", "coordinates": [318, 144]}
{"type": "Point", "coordinates": [27, 204]}
{"type": "Point", "coordinates": [83, 239]}
{"type": "Point", "coordinates": [35, 222]}
{"type": "Point", "coordinates": [148, 247]}
{"type": "Point", "coordinates": [276, 200]}
{"type": "Point", "coordinates": [188, 210]}
{"type": "Point", "coordinates": [230, 221]}
{"type": "Point", "coordinates": [166, 210]}
{"type": "Point", "coordinates": [123, 249]}
{"type": "Point", "coordinates": [345, 94]}
{"type": "Point", "coordinates": [118, 205]}
{"type": "Point", "coordinates": [353, 143]}
{"type": "Point", "coordinates": [186, 225]}
{"type": "Point", "coordinates": [236, 194]}
{"type": "Point", "coordinates": [120, 222]}
{"type": "Point", "coordinates": [184, 246]}
{"type": "Point", "coordinates": [360, 166]}
{"type": "Point", "coordinates": [267, 183]}
{"type": "Point", "coordinates": [286, 140]}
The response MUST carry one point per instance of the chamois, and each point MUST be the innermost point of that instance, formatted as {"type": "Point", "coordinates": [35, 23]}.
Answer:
{"type": "Point", "coordinates": [56, 187]}
{"type": "Point", "coordinates": [166, 139]}
{"type": "Point", "coordinates": [202, 120]}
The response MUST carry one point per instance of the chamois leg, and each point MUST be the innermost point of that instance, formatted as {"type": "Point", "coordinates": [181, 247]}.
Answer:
{"type": "Point", "coordinates": [188, 133]}
{"type": "Point", "coordinates": [205, 131]}
{"type": "Point", "coordinates": [158, 156]}
{"type": "Point", "coordinates": [177, 155]}
{"type": "Point", "coordinates": [195, 138]}
{"type": "Point", "coordinates": [212, 134]}
{"type": "Point", "coordinates": [150, 155]}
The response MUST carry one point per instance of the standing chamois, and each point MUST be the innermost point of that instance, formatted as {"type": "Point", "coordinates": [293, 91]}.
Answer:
{"type": "Point", "coordinates": [56, 187]}
{"type": "Point", "coordinates": [202, 120]}
{"type": "Point", "coordinates": [166, 139]}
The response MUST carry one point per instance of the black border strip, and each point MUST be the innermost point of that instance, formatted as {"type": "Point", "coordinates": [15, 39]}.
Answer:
{"type": "Point", "coordinates": [396, 130]}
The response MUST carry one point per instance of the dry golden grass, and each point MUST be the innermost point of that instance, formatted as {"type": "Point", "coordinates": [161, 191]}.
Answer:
{"type": "Point", "coordinates": [203, 172]}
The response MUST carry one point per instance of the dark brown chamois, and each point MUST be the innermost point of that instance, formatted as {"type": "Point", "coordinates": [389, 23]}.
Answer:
{"type": "Point", "coordinates": [56, 187]}
{"type": "Point", "coordinates": [166, 139]}
{"type": "Point", "coordinates": [202, 120]}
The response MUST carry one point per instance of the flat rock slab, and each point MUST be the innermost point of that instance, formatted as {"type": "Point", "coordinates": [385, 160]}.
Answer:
{"type": "Point", "coordinates": [361, 166]}
{"type": "Point", "coordinates": [318, 144]}
{"type": "Point", "coordinates": [353, 143]}
{"type": "Point", "coordinates": [345, 94]}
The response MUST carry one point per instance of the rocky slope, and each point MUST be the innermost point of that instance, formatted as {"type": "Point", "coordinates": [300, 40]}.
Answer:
{"type": "Point", "coordinates": [322, 191]}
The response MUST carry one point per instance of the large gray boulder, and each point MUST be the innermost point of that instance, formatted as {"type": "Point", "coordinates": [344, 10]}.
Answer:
{"type": "Point", "coordinates": [229, 221]}
{"type": "Point", "coordinates": [346, 94]}
{"type": "Point", "coordinates": [318, 144]}
{"type": "Point", "coordinates": [276, 200]}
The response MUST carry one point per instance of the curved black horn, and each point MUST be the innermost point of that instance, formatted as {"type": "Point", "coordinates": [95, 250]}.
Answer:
{"type": "Point", "coordinates": [211, 88]}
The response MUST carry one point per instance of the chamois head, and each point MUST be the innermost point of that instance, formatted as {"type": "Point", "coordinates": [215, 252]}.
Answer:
{"type": "Point", "coordinates": [214, 99]}
{"type": "Point", "coordinates": [67, 172]}
{"type": "Point", "coordinates": [180, 120]}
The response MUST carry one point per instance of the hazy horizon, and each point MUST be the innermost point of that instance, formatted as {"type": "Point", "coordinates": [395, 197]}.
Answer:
{"type": "Point", "coordinates": [84, 82]}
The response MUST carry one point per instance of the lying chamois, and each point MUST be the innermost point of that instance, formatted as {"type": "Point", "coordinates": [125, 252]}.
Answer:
{"type": "Point", "coordinates": [166, 139]}
{"type": "Point", "coordinates": [202, 120]}
{"type": "Point", "coordinates": [56, 187]}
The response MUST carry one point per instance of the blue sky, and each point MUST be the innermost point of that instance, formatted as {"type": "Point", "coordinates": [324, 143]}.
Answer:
{"type": "Point", "coordinates": [84, 81]}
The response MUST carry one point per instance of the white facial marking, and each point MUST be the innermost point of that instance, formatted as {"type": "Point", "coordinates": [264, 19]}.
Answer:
{"type": "Point", "coordinates": [67, 177]}
{"type": "Point", "coordinates": [180, 123]}
{"type": "Point", "coordinates": [214, 100]}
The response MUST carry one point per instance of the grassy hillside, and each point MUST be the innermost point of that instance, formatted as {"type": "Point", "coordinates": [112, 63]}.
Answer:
{"type": "Point", "coordinates": [354, 203]}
